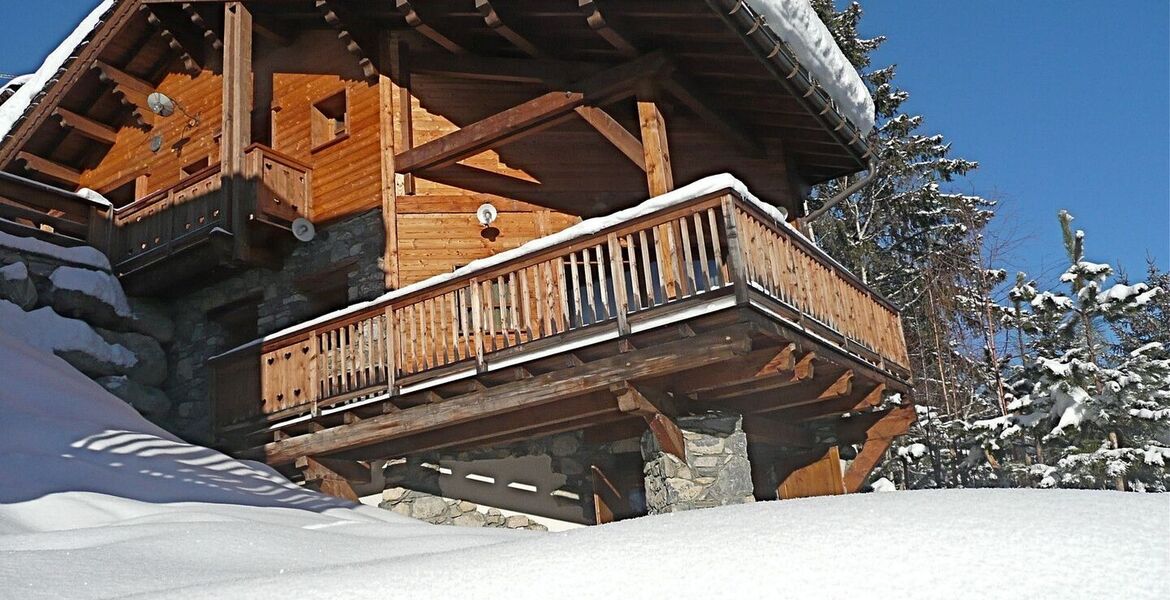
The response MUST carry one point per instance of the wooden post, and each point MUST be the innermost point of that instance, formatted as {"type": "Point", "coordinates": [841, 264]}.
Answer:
{"type": "Point", "coordinates": [659, 176]}
{"type": "Point", "coordinates": [237, 115]}
{"type": "Point", "coordinates": [477, 323]}
{"type": "Point", "coordinates": [405, 111]}
{"type": "Point", "coordinates": [821, 477]}
{"type": "Point", "coordinates": [736, 260]}
{"type": "Point", "coordinates": [391, 350]}
{"type": "Point", "coordinates": [386, 148]}
{"type": "Point", "coordinates": [621, 298]}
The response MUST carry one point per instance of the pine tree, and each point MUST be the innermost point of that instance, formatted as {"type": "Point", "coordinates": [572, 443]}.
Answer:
{"type": "Point", "coordinates": [917, 243]}
{"type": "Point", "coordinates": [1086, 410]}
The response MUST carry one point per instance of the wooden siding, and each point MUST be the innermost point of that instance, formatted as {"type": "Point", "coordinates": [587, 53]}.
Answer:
{"type": "Point", "coordinates": [346, 172]}
{"type": "Point", "coordinates": [130, 156]}
{"type": "Point", "coordinates": [437, 227]}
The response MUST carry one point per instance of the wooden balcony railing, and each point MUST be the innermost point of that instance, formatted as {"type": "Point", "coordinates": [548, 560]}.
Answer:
{"type": "Point", "coordinates": [188, 211]}
{"type": "Point", "coordinates": [591, 277]}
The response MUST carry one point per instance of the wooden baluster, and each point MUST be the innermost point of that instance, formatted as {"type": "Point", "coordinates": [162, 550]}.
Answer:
{"type": "Point", "coordinates": [477, 322]}
{"type": "Point", "coordinates": [621, 297]}
{"type": "Point", "coordinates": [633, 293]}
{"type": "Point", "coordinates": [562, 293]}
{"type": "Point", "coordinates": [526, 304]}
{"type": "Point", "coordinates": [576, 288]}
{"type": "Point", "coordinates": [735, 254]}
{"type": "Point", "coordinates": [441, 308]}
{"type": "Point", "coordinates": [513, 306]}
{"type": "Point", "coordinates": [602, 282]}
{"type": "Point", "coordinates": [590, 299]}
{"type": "Point", "coordinates": [647, 267]}
{"type": "Point", "coordinates": [488, 294]}
{"type": "Point", "coordinates": [540, 290]}
{"type": "Point", "coordinates": [392, 346]}
{"type": "Point", "coordinates": [689, 270]}
{"type": "Point", "coordinates": [721, 267]}
{"type": "Point", "coordinates": [704, 268]}
{"type": "Point", "coordinates": [415, 355]}
{"type": "Point", "coordinates": [452, 304]}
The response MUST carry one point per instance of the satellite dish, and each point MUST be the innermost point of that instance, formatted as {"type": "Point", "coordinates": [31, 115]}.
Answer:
{"type": "Point", "coordinates": [486, 213]}
{"type": "Point", "coordinates": [303, 230]}
{"type": "Point", "coordinates": [156, 142]}
{"type": "Point", "coordinates": [160, 104]}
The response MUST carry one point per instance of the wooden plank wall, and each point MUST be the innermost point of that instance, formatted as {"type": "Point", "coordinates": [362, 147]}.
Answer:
{"type": "Point", "coordinates": [437, 226]}
{"type": "Point", "coordinates": [438, 230]}
{"type": "Point", "coordinates": [130, 156]}
{"type": "Point", "coordinates": [346, 173]}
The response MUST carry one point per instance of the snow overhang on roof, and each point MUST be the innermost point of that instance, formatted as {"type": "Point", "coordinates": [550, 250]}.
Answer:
{"type": "Point", "coordinates": [797, 45]}
{"type": "Point", "coordinates": [35, 83]}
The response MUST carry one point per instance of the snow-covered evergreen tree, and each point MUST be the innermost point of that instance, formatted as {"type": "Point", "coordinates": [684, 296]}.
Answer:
{"type": "Point", "coordinates": [1086, 409]}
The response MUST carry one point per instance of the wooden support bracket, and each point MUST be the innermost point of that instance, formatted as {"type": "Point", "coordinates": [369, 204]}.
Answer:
{"type": "Point", "coordinates": [878, 438]}
{"type": "Point", "coordinates": [86, 126]}
{"type": "Point", "coordinates": [493, 20]}
{"type": "Point", "coordinates": [333, 477]}
{"type": "Point", "coordinates": [415, 20]}
{"type": "Point", "coordinates": [598, 23]}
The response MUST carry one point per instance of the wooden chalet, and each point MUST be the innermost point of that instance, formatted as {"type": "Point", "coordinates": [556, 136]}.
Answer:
{"type": "Point", "coordinates": [555, 112]}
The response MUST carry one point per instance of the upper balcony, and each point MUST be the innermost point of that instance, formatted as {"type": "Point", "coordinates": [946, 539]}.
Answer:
{"type": "Point", "coordinates": [704, 296]}
{"type": "Point", "coordinates": [196, 218]}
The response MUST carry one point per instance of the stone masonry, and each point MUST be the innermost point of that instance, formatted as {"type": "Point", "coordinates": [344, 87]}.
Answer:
{"type": "Point", "coordinates": [717, 471]}
{"type": "Point", "coordinates": [355, 243]}
{"type": "Point", "coordinates": [445, 511]}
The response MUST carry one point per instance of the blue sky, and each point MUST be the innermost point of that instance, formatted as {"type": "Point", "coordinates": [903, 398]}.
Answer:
{"type": "Point", "coordinates": [1064, 104]}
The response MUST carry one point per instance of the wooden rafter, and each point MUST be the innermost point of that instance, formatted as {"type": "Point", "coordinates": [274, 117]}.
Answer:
{"type": "Point", "coordinates": [131, 91]}
{"type": "Point", "coordinates": [337, 17]}
{"type": "Point", "coordinates": [512, 70]}
{"type": "Point", "coordinates": [598, 23]}
{"type": "Point", "coordinates": [493, 20]}
{"type": "Point", "coordinates": [52, 170]}
{"type": "Point", "coordinates": [770, 431]}
{"type": "Point", "coordinates": [86, 126]}
{"type": "Point", "coordinates": [209, 34]}
{"type": "Point", "coordinates": [333, 477]}
{"type": "Point", "coordinates": [190, 54]}
{"type": "Point", "coordinates": [416, 21]}
{"type": "Point", "coordinates": [860, 398]}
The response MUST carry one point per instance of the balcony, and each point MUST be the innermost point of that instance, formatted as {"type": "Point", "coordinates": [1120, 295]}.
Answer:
{"type": "Point", "coordinates": [196, 220]}
{"type": "Point", "coordinates": [704, 295]}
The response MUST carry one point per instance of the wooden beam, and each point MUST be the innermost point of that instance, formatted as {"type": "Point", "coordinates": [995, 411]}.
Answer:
{"type": "Point", "coordinates": [99, 132]}
{"type": "Point", "coordinates": [237, 101]}
{"type": "Point", "coordinates": [821, 477]}
{"type": "Point", "coordinates": [861, 397]}
{"type": "Point", "coordinates": [484, 181]}
{"type": "Point", "coordinates": [415, 20]}
{"type": "Point", "coordinates": [237, 88]}
{"type": "Point", "coordinates": [50, 169]}
{"type": "Point", "coordinates": [760, 364]}
{"type": "Point", "coordinates": [598, 23]}
{"type": "Point", "coordinates": [498, 129]}
{"type": "Point", "coordinates": [533, 115]}
{"type": "Point", "coordinates": [493, 20]}
{"type": "Point", "coordinates": [633, 399]}
{"type": "Point", "coordinates": [122, 79]}
{"type": "Point", "coordinates": [894, 423]}
{"type": "Point", "coordinates": [387, 92]}
{"type": "Point", "coordinates": [819, 389]}
{"type": "Point", "coordinates": [615, 133]}
{"type": "Point", "coordinates": [339, 19]}
{"type": "Point", "coordinates": [655, 149]}
{"type": "Point", "coordinates": [536, 391]}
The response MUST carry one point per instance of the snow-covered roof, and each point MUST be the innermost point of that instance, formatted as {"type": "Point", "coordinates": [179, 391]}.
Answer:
{"type": "Point", "coordinates": [797, 25]}
{"type": "Point", "coordinates": [14, 108]}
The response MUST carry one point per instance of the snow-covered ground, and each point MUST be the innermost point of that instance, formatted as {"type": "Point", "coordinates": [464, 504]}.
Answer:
{"type": "Point", "coordinates": [96, 502]}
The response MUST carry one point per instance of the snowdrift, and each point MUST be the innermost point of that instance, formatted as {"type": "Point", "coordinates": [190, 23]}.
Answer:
{"type": "Point", "coordinates": [95, 502]}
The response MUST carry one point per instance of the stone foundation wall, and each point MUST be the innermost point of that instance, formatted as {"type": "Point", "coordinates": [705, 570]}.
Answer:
{"type": "Point", "coordinates": [355, 244]}
{"type": "Point", "coordinates": [717, 471]}
{"type": "Point", "coordinates": [445, 511]}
